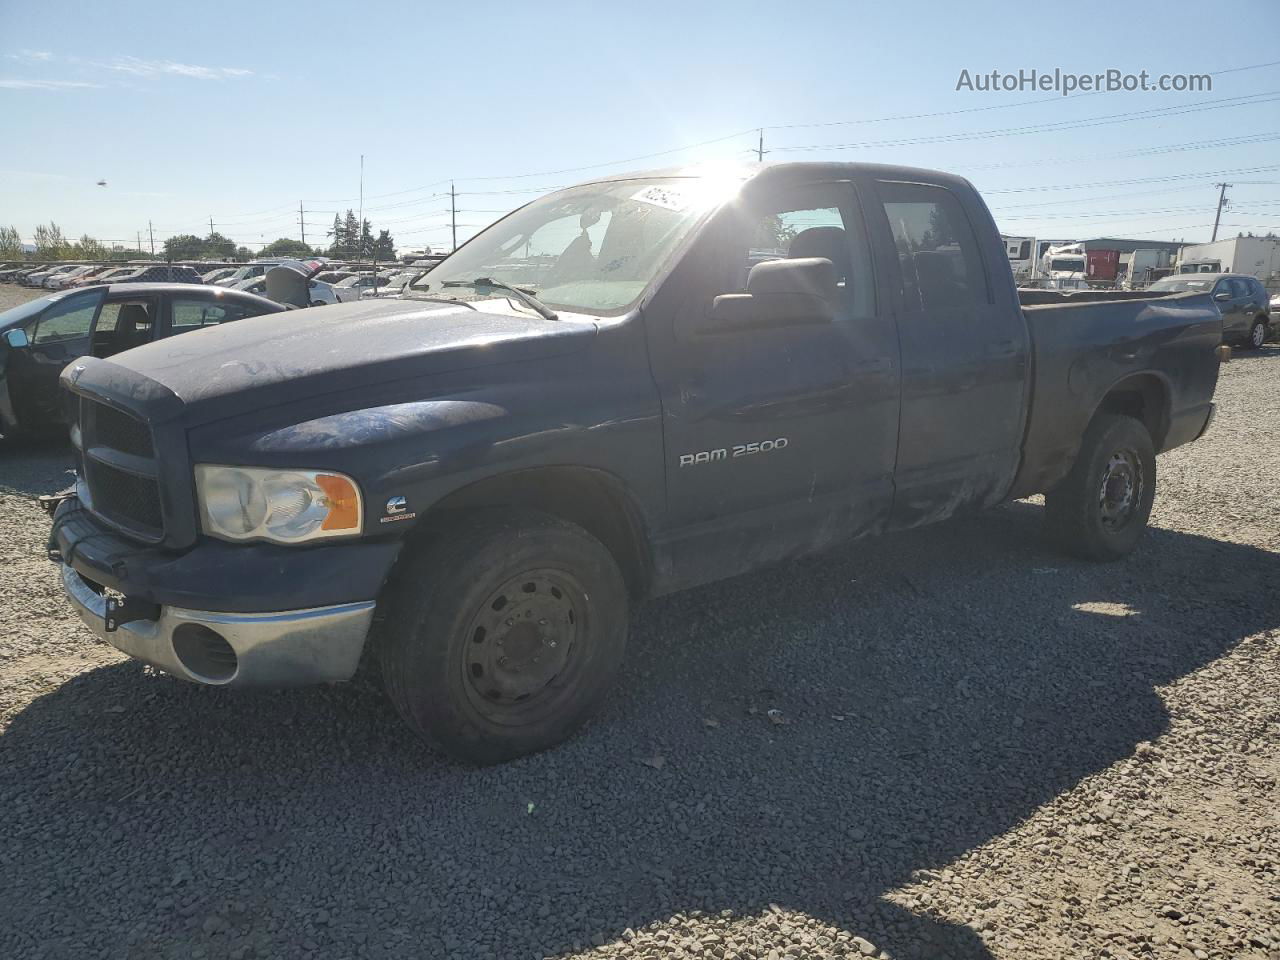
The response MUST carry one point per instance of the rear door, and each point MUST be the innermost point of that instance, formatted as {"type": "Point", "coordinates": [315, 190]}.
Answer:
{"type": "Point", "coordinates": [189, 312]}
{"type": "Point", "coordinates": [964, 355]}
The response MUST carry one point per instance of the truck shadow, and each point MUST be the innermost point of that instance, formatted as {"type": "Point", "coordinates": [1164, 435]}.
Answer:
{"type": "Point", "coordinates": [977, 676]}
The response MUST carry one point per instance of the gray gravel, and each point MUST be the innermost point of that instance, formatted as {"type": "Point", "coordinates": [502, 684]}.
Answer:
{"type": "Point", "coordinates": [951, 743]}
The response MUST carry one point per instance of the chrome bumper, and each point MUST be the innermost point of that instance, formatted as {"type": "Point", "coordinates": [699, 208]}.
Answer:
{"type": "Point", "coordinates": [288, 648]}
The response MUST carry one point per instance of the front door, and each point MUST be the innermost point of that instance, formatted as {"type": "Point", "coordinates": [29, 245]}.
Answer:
{"type": "Point", "coordinates": [964, 357]}
{"type": "Point", "coordinates": [60, 335]}
{"type": "Point", "coordinates": [781, 438]}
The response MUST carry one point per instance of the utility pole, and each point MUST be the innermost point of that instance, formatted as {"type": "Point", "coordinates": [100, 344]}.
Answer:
{"type": "Point", "coordinates": [152, 233]}
{"type": "Point", "coordinates": [139, 245]}
{"type": "Point", "coordinates": [360, 225]}
{"type": "Point", "coordinates": [760, 150]}
{"type": "Point", "coordinates": [302, 224]}
{"type": "Point", "coordinates": [453, 213]}
{"type": "Point", "coordinates": [211, 224]}
{"type": "Point", "coordinates": [1222, 199]}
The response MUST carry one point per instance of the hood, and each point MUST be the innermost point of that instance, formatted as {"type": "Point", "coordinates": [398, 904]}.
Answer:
{"type": "Point", "coordinates": [276, 358]}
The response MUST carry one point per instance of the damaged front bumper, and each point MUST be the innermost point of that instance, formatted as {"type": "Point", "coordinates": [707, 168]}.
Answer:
{"type": "Point", "coordinates": [130, 596]}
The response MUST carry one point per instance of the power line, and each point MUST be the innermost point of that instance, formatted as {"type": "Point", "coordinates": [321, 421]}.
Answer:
{"type": "Point", "coordinates": [1100, 121]}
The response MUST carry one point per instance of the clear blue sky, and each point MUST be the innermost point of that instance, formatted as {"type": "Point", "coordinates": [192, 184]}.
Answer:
{"type": "Point", "coordinates": [240, 110]}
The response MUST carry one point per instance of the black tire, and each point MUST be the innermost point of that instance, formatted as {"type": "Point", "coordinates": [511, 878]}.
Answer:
{"type": "Point", "coordinates": [1257, 335]}
{"type": "Point", "coordinates": [503, 634]}
{"type": "Point", "coordinates": [1099, 512]}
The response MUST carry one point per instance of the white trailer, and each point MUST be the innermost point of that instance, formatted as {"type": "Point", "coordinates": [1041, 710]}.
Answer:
{"type": "Point", "coordinates": [1257, 256]}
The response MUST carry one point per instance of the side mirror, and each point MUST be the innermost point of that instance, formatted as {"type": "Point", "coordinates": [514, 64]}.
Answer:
{"type": "Point", "coordinates": [780, 293]}
{"type": "Point", "coordinates": [16, 338]}
{"type": "Point", "coordinates": [1222, 297]}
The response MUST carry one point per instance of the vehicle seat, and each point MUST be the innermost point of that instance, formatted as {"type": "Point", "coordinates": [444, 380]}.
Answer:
{"type": "Point", "coordinates": [575, 263]}
{"type": "Point", "coordinates": [827, 242]}
{"type": "Point", "coordinates": [133, 327]}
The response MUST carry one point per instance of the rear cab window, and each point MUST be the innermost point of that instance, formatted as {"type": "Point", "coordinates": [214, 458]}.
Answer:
{"type": "Point", "coordinates": [937, 250]}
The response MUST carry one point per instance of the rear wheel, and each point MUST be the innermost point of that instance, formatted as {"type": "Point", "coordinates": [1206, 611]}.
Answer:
{"type": "Point", "coordinates": [1257, 334]}
{"type": "Point", "coordinates": [1099, 512]}
{"type": "Point", "coordinates": [503, 634]}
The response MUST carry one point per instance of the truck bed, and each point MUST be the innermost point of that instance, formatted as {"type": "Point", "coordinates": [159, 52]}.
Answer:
{"type": "Point", "coordinates": [1084, 345]}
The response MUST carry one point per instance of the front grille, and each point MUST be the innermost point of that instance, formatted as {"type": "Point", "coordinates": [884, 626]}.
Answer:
{"type": "Point", "coordinates": [111, 428]}
{"type": "Point", "coordinates": [124, 497]}
{"type": "Point", "coordinates": [122, 489]}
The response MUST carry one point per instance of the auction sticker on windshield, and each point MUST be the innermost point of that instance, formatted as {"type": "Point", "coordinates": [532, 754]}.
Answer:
{"type": "Point", "coordinates": [669, 198]}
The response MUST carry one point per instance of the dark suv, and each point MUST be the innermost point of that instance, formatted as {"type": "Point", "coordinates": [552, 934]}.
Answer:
{"type": "Point", "coordinates": [1242, 300]}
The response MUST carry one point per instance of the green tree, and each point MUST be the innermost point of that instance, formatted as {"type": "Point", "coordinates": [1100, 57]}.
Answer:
{"type": "Point", "coordinates": [87, 248]}
{"type": "Point", "coordinates": [244, 253]}
{"type": "Point", "coordinates": [50, 243]}
{"type": "Point", "coordinates": [10, 243]}
{"type": "Point", "coordinates": [384, 247]}
{"type": "Point", "coordinates": [219, 247]}
{"type": "Point", "coordinates": [184, 246]}
{"type": "Point", "coordinates": [286, 247]}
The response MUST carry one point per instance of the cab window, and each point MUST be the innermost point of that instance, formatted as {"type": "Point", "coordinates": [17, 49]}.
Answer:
{"type": "Point", "coordinates": [193, 313]}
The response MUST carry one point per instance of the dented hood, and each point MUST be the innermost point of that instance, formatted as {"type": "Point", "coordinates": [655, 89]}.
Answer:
{"type": "Point", "coordinates": [277, 358]}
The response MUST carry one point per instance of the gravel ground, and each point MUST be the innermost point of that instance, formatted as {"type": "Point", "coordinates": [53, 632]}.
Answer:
{"type": "Point", "coordinates": [981, 750]}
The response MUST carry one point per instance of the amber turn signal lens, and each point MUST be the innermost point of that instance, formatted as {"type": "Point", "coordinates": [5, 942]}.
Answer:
{"type": "Point", "coordinates": [343, 502]}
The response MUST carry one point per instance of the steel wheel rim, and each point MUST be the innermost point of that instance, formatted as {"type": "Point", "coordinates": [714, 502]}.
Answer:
{"type": "Point", "coordinates": [1121, 489]}
{"type": "Point", "coordinates": [1259, 334]}
{"type": "Point", "coordinates": [523, 649]}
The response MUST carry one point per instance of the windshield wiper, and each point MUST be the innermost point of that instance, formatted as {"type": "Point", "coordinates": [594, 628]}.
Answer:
{"type": "Point", "coordinates": [428, 298]}
{"type": "Point", "coordinates": [525, 296]}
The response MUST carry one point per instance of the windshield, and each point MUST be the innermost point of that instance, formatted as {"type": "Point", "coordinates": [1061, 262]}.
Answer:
{"type": "Point", "coordinates": [592, 248]}
{"type": "Point", "coordinates": [1067, 265]}
{"type": "Point", "coordinates": [1181, 285]}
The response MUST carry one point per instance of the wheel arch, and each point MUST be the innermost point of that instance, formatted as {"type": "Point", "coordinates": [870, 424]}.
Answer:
{"type": "Point", "coordinates": [1147, 397]}
{"type": "Point", "coordinates": [594, 499]}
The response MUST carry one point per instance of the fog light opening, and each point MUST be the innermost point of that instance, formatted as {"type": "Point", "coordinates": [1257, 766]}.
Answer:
{"type": "Point", "coordinates": [206, 654]}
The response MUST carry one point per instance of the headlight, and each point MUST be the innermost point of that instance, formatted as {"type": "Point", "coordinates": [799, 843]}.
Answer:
{"type": "Point", "coordinates": [284, 506]}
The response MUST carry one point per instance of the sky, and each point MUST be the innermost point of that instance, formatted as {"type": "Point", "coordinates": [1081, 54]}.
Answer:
{"type": "Point", "coordinates": [242, 112]}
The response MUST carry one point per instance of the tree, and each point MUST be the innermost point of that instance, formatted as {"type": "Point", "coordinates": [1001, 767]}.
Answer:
{"type": "Point", "coordinates": [50, 243]}
{"type": "Point", "coordinates": [365, 245]}
{"type": "Point", "coordinates": [285, 247]}
{"type": "Point", "coordinates": [87, 248]}
{"type": "Point", "coordinates": [10, 243]}
{"type": "Point", "coordinates": [184, 246]}
{"type": "Point", "coordinates": [244, 253]}
{"type": "Point", "coordinates": [219, 247]}
{"type": "Point", "coordinates": [384, 247]}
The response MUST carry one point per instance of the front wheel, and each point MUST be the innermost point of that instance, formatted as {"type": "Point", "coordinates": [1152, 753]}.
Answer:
{"type": "Point", "coordinates": [503, 634]}
{"type": "Point", "coordinates": [1099, 512]}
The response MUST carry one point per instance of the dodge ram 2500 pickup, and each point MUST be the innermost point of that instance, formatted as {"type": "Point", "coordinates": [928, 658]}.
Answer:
{"type": "Point", "coordinates": [625, 388]}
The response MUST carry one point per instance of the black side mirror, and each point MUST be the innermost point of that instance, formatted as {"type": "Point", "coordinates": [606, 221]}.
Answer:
{"type": "Point", "coordinates": [779, 293]}
{"type": "Point", "coordinates": [16, 338]}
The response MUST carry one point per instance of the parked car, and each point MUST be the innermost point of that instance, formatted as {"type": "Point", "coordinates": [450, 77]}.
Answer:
{"type": "Point", "coordinates": [354, 287]}
{"type": "Point", "coordinates": [248, 271]}
{"type": "Point", "coordinates": [60, 281]}
{"type": "Point", "coordinates": [107, 275]}
{"type": "Point", "coordinates": [499, 464]}
{"type": "Point", "coordinates": [1241, 299]}
{"type": "Point", "coordinates": [38, 277]}
{"type": "Point", "coordinates": [213, 276]}
{"type": "Point", "coordinates": [256, 285]}
{"type": "Point", "coordinates": [40, 337]}
{"type": "Point", "coordinates": [159, 273]}
{"type": "Point", "coordinates": [15, 274]}
{"type": "Point", "coordinates": [393, 285]}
